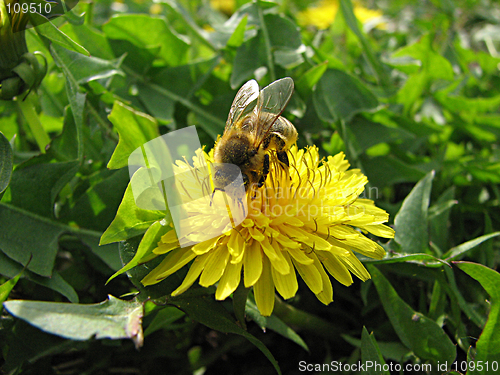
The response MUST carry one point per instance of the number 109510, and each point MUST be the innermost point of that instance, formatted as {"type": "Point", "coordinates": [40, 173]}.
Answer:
{"type": "Point", "coordinates": [28, 8]}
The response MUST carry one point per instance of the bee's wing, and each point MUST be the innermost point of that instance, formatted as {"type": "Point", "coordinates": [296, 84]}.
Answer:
{"type": "Point", "coordinates": [248, 93]}
{"type": "Point", "coordinates": [270, 105]}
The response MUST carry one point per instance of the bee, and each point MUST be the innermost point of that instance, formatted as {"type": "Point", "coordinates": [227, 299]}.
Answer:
{"type": "Point", "coordinates": [253, 129]}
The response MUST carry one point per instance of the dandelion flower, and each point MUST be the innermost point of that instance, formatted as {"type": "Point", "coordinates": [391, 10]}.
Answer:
{"type": "Point", "coordinates": [306, 219]}
{"type": "Point", "coordinates": [323, 14]}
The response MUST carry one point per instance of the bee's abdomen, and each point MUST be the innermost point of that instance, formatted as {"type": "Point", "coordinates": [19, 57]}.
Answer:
{"type": "Point", "coordinates": [281, 135]}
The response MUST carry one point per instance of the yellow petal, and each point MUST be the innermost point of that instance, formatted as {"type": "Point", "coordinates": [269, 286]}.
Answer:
{"type": "Point", "coordinates": [217, 261]}
{"type": "Point", "coordinates": [174, 261]}
{"type": "Point", "coordinates": [205, 246]}
{"type": "Point", "coordinates": [164, 248]}
{"type": "Point", "coordinates": [355, 266]}
{"type": "Point", "coordinates": [310, 275]}
{"type": "Point", "coordinates": [256, 234]}
{"type": "Point", "coordinates": [229, 281]}
{"type": "Point", "coordinates": [313, 240]}
{"type": "Point", "coordinates": [192, 275]}
{"type": "Point", "coordinates": [252, 264]}
{"type": "Point", "coordinates": [293, 233]}
{"type": "Point", "coordinates": [326, 295]}
{"type": "Point", "coordinates": [264, 290]}
{"type": "Point", "coordinates": [288, 242]}
{"type": "Point", "coordinates": [236, 244]}
{"type": "Point", "coordinates": [286, 285]}
{"type": "Point", "coordinates": [169, 237]}
{"type": "Point", "coordinates": [294, 221]}
{"type": "Point", "coordinates": [300, 256]}
{"type": "Point", "coordinates": [335, 267]}
{"type": "Point", "coordinates": [247, 223]}
{"type": "Point", "coordinates": [275, 254]}
{"type": "Point", "coordinates": [379, 230]}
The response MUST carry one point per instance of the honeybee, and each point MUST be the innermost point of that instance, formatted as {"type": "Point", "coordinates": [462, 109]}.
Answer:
{"type": "Point", "coordinates": [254, 127]}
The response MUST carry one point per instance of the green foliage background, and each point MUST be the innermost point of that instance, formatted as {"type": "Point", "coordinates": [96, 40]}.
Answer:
{"type": "Point", "coordinates": [413, 103]}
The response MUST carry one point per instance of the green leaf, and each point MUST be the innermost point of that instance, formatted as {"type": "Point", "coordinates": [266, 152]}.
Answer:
{"type": "Point", "coordinates": [76, 98]}
{"type": "Point", "coordinates": [366, 133]}
{"type": "Point", "coordinates": [94, 40]}
{"type": "Point", "coordinates": [27, 235]}
{"type": "Point", "coordinates": [28, 344]}
{"type": "Point", "coordinates": [488, 345]}
{"type": "Point", "coordinates": [148, 32]}
{"type": "Point", "coordinates": [183, 16]}
{"type": "Point", "coordinates": [167, 86]}
{"type": "Point", "coordinates": [164, 319]}
{"type": "Point", "coordinates": [461, 249]}
{"type": "Point", "coordinates": [455, 293]}
{"type": "Point", "coordinates": [240, 297]}
{"type": "Point", "coordinates": [390, 350]}
{"type": "Point", "coordinates": [419, 333]}
{"type": "Point", "coordinates": [10, 268]}
{"type": "Point", "coordinates": [487, 250]}
{"type": "Point", "coordinates": [426, 260]}
{"type": "Point", "coordinates": [148, 243]}
{"type": "Point", "coordinates": [114, 318]}
{"type": "Point", "coordinates": [135, 129]}
{"type": "Point", "coordinates": [434, 65]}
{"type": "Point", "coordinates": [387, 170]}
{"type": "Point", "coordinates": [305, 84]}
{"type": "Point", "coordinates": [411, 222]}
{"type": "Point", "coordinates": [339, 95]}
{"type": "Point", "coordinates": [370, 353]}
{"type": "Point", "coordinates": [5, 163]}
{"type": "Point", "coordinates": [108, 253]}
{"type": "Point", "coordinates": [52, 33]}
{"type": "Point", "coordinates": [208, 312]}
{"type": "Point", "coordinates": [84, 68]}
{"type": "Point", "coordinates": [285, 40]}
{"type": "Point", "coordinates": [439, 215]}
{"type": "Point", "coordinates": [50, 178]}
{"type": "Point", "coordinates": [159, 106]}
{"type": "Point", "coordinates": [274, 323]}
{"type": "Point", "coordinates": [250, 56]}
{"type": "Point", "coordinates": [238, 35]}
{"type": "Point", "coordinates": [130, 220]}
{"type": "Point", "coordinates": [96, 208]}
{"type": "Point", "coordinates": [470, 107]}
{"type": "Point", "coordinates": [283, 33]}
{"type": "Point", "coordinates": [7, 287]}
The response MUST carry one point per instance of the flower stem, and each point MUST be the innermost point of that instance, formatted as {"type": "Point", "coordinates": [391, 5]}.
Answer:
{"type": "Point", "coordinates": [305, 321]}
{"type": "Point", "coordinates": [29, 113]}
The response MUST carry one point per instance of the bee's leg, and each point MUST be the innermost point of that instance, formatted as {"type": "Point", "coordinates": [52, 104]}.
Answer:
{"type": "Point", "coordinates": [279, 144]}
{"type": "Point", "coordinates": [265, 171]}
{"type": "Point", "coordinates": [283, 157]}
{"type": "Point", "coordinates": [213, 193]}
{"type": "Point", "coordinates": [240, 202]}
